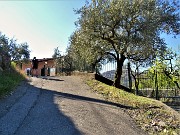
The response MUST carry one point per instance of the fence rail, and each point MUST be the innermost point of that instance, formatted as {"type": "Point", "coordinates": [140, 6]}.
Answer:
{"type": "Point", "coordinates": [155, 84]}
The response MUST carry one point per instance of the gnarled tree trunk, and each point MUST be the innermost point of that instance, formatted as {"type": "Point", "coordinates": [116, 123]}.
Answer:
{"type": "Point", "coordinates": [118, 74]}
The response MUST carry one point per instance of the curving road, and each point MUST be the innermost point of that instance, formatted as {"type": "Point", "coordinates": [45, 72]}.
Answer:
{"type": "Point", "coordinates": [62, 106]}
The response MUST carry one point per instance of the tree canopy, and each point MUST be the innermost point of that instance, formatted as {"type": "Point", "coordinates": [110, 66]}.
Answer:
{"type": "Point", "coordinates": [126, 29]}
{"type": "Point", "coordinates": [11, 50]}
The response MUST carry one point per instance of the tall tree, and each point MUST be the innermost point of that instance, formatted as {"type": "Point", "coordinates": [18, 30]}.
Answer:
{"type": "Point", "coordinates": [19, 52]}
{"type": "Point", "coordinates": [57, 53]}
{"type": "Point", "coordinates": [10, 50]}
{"type": "Point", "coordinates": [57, 57]}
{"type": "Point", "coordinates": [4, 52]}
{"type": "Point", "coordinates": [129, 29]}
{"type": "Point", "coordinates": [171, 70]}
{"type": "Point", "coordinates": [24, 50]}
{"type": "Point", "coordinates": [86, 50]}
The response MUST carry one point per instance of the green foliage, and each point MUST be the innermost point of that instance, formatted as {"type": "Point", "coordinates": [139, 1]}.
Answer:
{"type": "Point", "coordinates": [152, 116]}
{"type": "Point", "coordinates": [82, 55]}
{"type": "Point", "coordinates": [177, 62]}
{"type": "Point", "coordinates": [165, 69]}
{"type": "Point", "coordinates": [128, 27]}
{"type": "Point", "coordinates": [121, 96]}
{"type": "Point", "coordinates": [23, 51]}
{"type": "Point", "coordinates": [13, 65]}
{"type": "Point", "coordinates": [58, 58]}
{"type": "Point", "coordinates": [165, 78]}
{"type": "Point", "coordinates": [10, 50]}
{"type": "Point", "coordinates": [9, 80]}
{"type": "Point", "coordinates": [119, 30]}
{"type": "Point", "coordinates": [57, 53]}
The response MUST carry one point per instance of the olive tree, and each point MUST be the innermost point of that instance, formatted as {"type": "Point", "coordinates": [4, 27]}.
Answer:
{"type": "Point", "coordinates": [84, 47]}
{"type": "Point", "coordinates": [129, 29]}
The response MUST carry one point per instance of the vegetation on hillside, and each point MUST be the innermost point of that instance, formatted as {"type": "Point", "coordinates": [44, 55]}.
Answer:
{"type": "Point", "coordinates": [162, 79]}
{"type": "Point", "coordinates": [10, 50]}
{"type": "Point", "coordinates": [9, 79]}
{"type": "Point", "coordinates": [117, 30]}
{"type": "Point", "coordinates": [151, 115]}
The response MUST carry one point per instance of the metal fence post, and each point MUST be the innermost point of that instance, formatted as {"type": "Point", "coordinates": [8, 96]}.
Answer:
{"type": "Point", "coordinates": [156, 85]}
{"type": "Point", "coordinates": [129, 76]}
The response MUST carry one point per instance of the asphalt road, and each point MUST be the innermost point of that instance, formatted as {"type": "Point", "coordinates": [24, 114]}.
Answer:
{"type": "Point", "coordinates": [62, 106]}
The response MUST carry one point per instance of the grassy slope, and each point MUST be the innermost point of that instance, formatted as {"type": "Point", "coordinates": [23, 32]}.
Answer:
{"type": "Point", "coordinates": [151, 115]}
{"type": "Point", "coordinates": [9, 80]}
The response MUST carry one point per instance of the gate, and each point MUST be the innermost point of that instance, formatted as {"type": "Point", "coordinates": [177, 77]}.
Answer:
{"type": "Point", "coordinates": [109, 69]}
{"type": "Point", "coordinates": [155, 85]}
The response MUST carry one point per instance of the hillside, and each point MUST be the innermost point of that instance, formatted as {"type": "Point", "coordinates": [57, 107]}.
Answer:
{"type": "Point", "coordinates": [151, 115]}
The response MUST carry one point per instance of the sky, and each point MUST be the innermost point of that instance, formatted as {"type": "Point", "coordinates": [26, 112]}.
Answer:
{"type": "Point", "coordinates": [43, 24]}
{"type": "Point", "coordinates": [46, 24]}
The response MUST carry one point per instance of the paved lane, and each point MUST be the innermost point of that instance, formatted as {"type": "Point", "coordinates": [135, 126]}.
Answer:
{"type": "Point", "coordinates": [63, 106]}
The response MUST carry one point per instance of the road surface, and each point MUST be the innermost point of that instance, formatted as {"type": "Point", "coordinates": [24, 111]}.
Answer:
{"type": "Point", "coordinates": [62, 106]}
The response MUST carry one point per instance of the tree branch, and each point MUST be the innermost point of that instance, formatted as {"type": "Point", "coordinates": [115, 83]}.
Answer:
{"type": "Point", "coordinates": [112, 54]}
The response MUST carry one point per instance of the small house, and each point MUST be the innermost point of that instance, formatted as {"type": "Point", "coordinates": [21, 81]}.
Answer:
{"type": "Point", "coordinates": [46, 67]}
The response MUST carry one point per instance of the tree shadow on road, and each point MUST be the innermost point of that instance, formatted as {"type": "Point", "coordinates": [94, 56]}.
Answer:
{"type": "Point", "coordinates": [47, 105]}
{"type": "Point", "coordinates": [52, 79]}
{"type": "Point", "coordinates": [89, 99]}
{"type": "Point", "coordinates": [45, 117]}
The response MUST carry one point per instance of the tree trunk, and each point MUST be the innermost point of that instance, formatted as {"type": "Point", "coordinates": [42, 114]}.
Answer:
{"type": "Point", "coordinates": [169, 76]}
{"type": "Point", "coordinates": [93, 67]}
{"type": "Point", "coordinates": [117, 79]}
{"type": "Point", "coordinates": [137, 85]}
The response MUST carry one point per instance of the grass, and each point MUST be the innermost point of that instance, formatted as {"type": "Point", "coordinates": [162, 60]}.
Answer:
{"type": "Point", "coordinates": [151, 115]}
{"type": "Point", "coordinates": [9, 80]}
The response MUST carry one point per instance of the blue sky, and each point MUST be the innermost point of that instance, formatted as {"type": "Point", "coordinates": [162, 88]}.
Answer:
{"type": "Point", "coordinates": [45, 24]}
